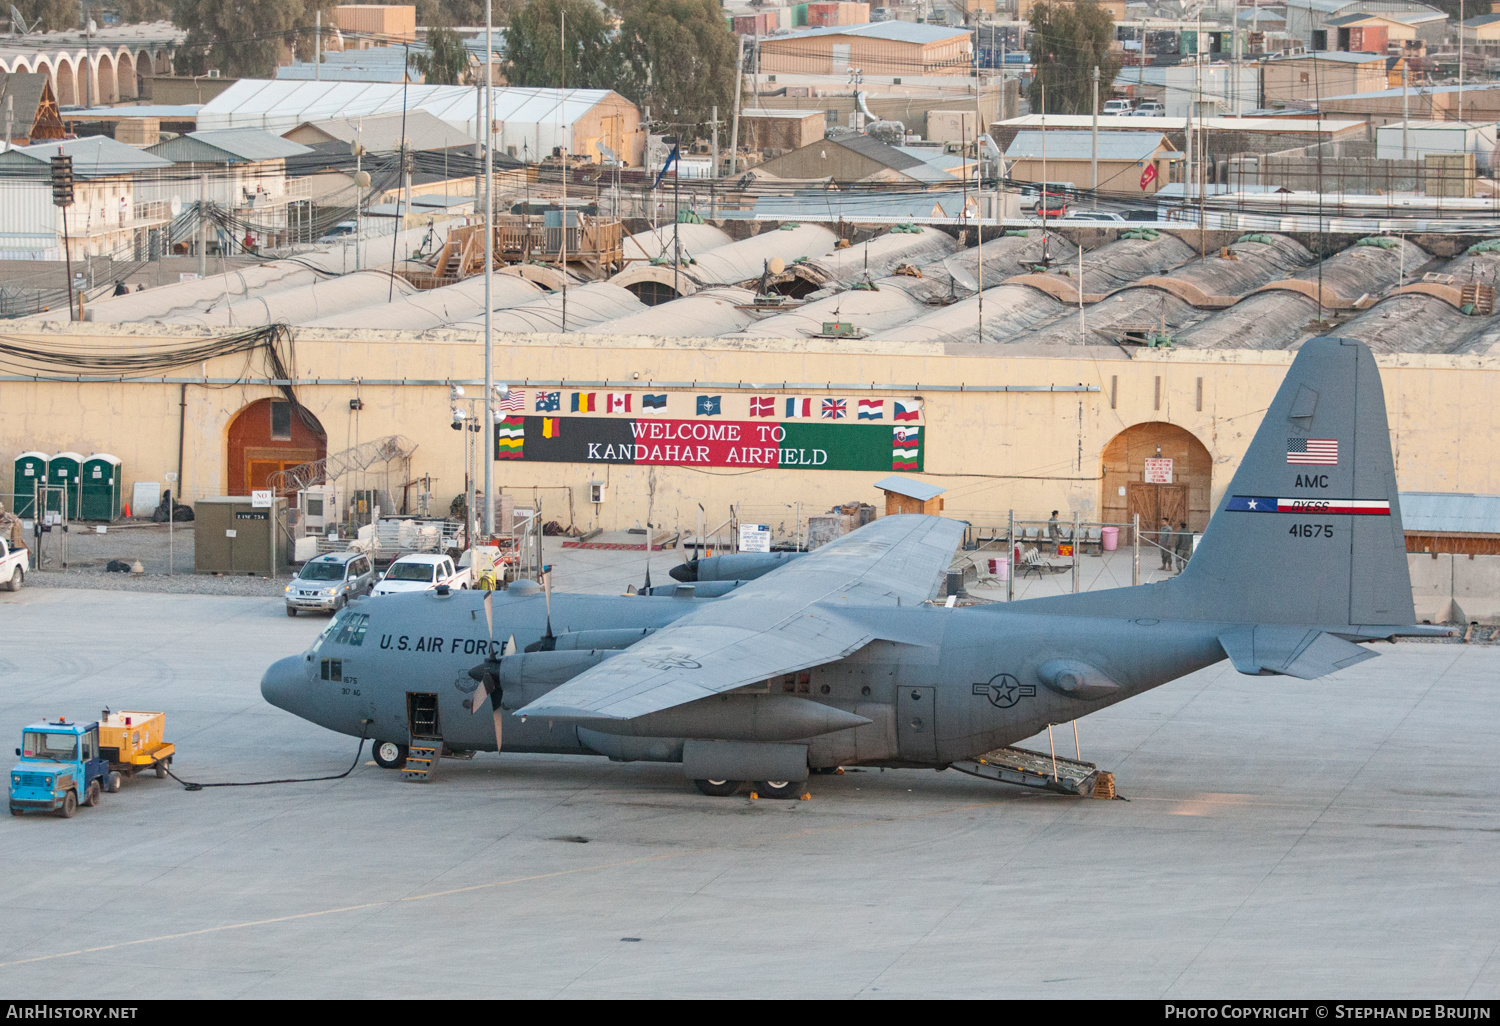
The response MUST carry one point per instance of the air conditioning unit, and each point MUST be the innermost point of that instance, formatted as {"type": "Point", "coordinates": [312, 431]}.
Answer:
{"type": "Point", "coordinates": [596, 491]}
{"type": "Point", "coordinates": [320, 508]}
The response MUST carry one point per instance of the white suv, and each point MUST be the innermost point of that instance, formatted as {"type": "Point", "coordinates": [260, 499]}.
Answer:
{"type": "Point", "coordinates": [1116, 107]}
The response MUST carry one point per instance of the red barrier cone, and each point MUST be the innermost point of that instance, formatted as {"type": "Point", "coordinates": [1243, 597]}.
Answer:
{"type": "Point", "coordinates": [128, 514]}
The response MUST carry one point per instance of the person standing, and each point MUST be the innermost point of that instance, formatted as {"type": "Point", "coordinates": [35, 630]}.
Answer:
{"type": "Point", "coordinates": [1054, 532]}
{"type": "Point", "coordinates": [1164, 540]}
{"type": "Point", "coordinates": [1184, 546]}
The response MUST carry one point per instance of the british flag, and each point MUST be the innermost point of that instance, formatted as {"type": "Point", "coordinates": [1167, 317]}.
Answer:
{"type": "Point", "coordinates": [835, 409]}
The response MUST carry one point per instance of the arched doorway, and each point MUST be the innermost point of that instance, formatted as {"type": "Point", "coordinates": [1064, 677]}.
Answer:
{"type": "Point", "coordinates": [63, 84]}
{"type": "Point", "coordinates": [1181, 491]}
{"type": "Point", "coordinates": [125, 75]}
{"type": "Point", "coordinates": [267, 436]}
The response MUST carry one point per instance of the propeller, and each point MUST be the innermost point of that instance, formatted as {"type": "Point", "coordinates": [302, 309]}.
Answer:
{"type": "Point", "coordinates": [487, 673]}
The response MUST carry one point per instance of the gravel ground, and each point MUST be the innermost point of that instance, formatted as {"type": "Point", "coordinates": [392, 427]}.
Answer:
{"type": "Point", "coordinates": [89, 552]}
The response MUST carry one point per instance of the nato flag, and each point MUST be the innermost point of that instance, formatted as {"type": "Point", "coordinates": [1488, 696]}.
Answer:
{"type": "Point", "coordinates": [708, 405]}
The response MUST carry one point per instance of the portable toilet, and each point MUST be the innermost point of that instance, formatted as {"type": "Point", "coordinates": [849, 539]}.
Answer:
{"type": "Point", "coordinates": [99, 493]}
{"type": "Point", "coordinates": [64, 469]}
{"type": "Point", "coordinates": [31, 470]}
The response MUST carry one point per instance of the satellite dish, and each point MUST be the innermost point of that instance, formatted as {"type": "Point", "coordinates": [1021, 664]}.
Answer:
{"type": "Point", "coordinates": [776, 266]}
{"type": "Point", "coordinates": [362, 179]}
{"type": "Point", "coordinates": [176, 205]}
{"type": "Point", "coordinates": [92, 27]}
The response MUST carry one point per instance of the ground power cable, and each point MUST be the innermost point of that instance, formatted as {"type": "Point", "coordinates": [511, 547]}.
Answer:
{"type": "Point", "coordinates": [188, 785]}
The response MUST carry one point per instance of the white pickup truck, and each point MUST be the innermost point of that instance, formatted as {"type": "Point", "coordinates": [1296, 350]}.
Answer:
{"type": "Point", "coordinates": [422, 571]}
{"type": "Point", "coordinates": [14, 565]}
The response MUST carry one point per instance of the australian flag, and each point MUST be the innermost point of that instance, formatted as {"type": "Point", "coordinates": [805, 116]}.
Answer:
{"type": "Point", "coordinates": [548, 401]}
{"type": "Point", "coordinates": [708, 405]}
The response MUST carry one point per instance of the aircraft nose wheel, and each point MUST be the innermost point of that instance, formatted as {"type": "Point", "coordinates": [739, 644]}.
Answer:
{"type": "Point", "coordinates": [718, 788]}
{"type": "Point", "coordinates": [779, 788]}
{"type": "Point", "coordinates": [389, 755]}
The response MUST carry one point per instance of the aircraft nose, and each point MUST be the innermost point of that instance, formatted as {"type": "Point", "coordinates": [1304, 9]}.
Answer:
{"type": "Point", "coordinates": [282, 682]}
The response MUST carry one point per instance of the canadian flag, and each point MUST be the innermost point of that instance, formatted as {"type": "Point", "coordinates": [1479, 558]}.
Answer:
{"type": "Point", "coordinates": [618, 402]}
{"type": "Point", "coordinates": [1148, 176]}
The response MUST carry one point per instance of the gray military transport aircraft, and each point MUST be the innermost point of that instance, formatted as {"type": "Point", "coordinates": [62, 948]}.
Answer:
{"type": "Point", "coordinates": [839, 657]}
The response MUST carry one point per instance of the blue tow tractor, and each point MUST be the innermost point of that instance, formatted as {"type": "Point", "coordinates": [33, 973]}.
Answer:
{"type": "Point", "coordinates": [61, 766]}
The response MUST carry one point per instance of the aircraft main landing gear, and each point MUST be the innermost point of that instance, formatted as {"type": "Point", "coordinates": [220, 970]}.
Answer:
{"type": "Point", "coordinates": [718, 788]}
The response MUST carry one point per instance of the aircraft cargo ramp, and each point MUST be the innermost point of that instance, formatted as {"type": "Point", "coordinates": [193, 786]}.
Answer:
{"type": "Point", "coordinates": [1039, 769]}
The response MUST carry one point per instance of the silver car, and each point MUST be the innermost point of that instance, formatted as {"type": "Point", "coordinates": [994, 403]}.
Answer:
{"type": "Point", "coordinates": [327, 583]}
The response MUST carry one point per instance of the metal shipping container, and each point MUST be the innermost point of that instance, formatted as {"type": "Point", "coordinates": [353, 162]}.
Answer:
{"type": "Point", "coordinates": [232, 536]}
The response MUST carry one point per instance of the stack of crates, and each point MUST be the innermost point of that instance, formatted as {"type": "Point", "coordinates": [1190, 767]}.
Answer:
{"type": "Point", "coordinates": [31, 470]}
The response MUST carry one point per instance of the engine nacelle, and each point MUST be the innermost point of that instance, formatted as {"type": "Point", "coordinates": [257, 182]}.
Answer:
{"type": "Point", "coordinates": [733, 566]}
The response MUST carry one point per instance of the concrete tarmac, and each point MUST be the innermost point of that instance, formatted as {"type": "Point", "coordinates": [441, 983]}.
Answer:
{"type": "Point", "coordinates": [1283, 838]}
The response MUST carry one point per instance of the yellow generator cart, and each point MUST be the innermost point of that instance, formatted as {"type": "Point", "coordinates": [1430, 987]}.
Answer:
{"type": "Point", "coordinates": [134, 741]}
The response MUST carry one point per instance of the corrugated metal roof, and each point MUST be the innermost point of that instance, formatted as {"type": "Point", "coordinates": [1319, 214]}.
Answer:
{"type": "Point", "coordinates": [746, 260]}
{"type": "Point", "coordinates": [864, 145]}
{"type": "Point", "coordinates": [894, 31]}
{"type": "Point", "coordinates": [1336, 56]}
{"type": "Point", "coordinates": [1483, 19]}
{"type": "Point", "coordinates": [1450, 512]}
{"type": "Point", "coordinates": [1071, 145]}
{"type": "Point", "coordinates": [867, 310]}
{"type": "Point", "coordinates": [227, 145]}
{"type": "Point", "coordinates": [919, 490]}
{"type": "Point", "coordinates": [96, 156]}
{"type": "Point", "coordinates": [834, 205]}
{"type": "Point", "coordinates": [435, 308]}
{"type": "Point", "coordinates": [376, 132]}
{"type": "Point", "coordinates": [658, 243]}
{"type": "Point", "coordinates": [704, 314]}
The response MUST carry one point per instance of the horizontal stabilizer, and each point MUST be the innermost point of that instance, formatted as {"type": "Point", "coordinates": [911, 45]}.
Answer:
{"type": "Point", "coordinates": [1302, 652]}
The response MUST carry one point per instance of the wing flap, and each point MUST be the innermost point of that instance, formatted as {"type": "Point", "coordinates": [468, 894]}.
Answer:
{"type": "Point", "coordinates": [789, 620]}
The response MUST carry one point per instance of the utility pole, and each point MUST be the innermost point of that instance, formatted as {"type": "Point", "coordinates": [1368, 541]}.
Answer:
{"type": "Point", "coordinates": [318, 46]}
{"type": "Point", "coordinates": [562, 43]}
{"type": "Point", "coordinates": [488, 426]}
{"type": "Point", "coordinates": [1094, 152]}
{"type": "Point", "coordinates": [1460, 61]}
{"type": "Point", "coordinates": [1405, 111]}
{"type": "Point", "coordinates": [203, 226]}
{"type": "Point", "coordinates": [734, 132]}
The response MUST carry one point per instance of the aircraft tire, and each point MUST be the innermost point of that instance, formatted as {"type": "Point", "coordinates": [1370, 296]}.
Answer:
{"type": "Point", "coordinates": [389, 754]}
{"type": "Point", "coordinates": [718, 788]}
{"type": "Point", "coordinates": [779, 788]}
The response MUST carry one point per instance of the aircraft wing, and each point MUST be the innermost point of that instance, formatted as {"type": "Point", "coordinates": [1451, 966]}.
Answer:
{"type": "Point", "coordinates": [788, 620]}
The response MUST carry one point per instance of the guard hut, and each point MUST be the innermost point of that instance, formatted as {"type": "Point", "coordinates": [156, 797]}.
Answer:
{"type": "Point", "coordinates": [99, 491]}
{"type": "Point", "coordinates": [903, 495]}
{"type": "Point", "coordinates": [31, 470]}
{"type": "Point", "coordinates": [233, 534]}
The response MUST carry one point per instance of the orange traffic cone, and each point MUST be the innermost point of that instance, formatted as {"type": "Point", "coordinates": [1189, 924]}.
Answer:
{"type": "Point", "coordinates": [128, 514]}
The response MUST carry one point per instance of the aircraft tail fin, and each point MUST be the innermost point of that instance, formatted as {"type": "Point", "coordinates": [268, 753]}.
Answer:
{"type": "Point", "coordinates": [1309, 530]}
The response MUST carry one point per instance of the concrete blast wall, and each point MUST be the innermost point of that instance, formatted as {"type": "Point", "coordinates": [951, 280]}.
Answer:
{"type": "Point", "coordinates": [1455, 588]}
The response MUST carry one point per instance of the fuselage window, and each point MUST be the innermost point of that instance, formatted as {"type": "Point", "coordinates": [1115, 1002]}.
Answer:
{"type": "Point", "coordinates": [333, 669]}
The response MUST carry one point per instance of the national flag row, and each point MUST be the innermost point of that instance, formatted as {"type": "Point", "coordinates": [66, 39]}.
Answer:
{"type": "Point", "coordinates": [676, 404]}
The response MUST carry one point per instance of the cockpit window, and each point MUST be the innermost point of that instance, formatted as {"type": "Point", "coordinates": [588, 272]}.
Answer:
{"type": "Point", "coordinates": [353, 630]}
{"type": "Point", "coordinates": [319, 571]}
{"type": "Point", "coordinates": [409, 572]}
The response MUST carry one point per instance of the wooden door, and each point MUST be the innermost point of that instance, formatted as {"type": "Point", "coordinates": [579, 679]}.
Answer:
{"type": "Point", "coordinates": [1154, 501]}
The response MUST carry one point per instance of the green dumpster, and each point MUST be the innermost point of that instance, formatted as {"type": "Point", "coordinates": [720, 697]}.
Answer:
{"type": "Point", "coordinates": [99, 491]}
{"type": "Point", "coordinates": [31, 470]}
{"type": "Point", "coordinates": [64, 471]}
